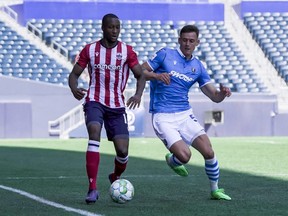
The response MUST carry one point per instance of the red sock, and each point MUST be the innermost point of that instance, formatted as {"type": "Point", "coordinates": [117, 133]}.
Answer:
{"type": "Point", "coordinates": [120, 167]}
{"type": "Point", "coordinates": [92, 164]}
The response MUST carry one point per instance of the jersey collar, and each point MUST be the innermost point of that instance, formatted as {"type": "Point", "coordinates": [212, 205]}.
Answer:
{"type": "Point", "coordinates": [183, 56]}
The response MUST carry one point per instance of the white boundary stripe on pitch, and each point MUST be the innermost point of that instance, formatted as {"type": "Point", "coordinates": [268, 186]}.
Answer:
{"type": "Point", "coordinates": [47, 202]}
{"type": "Point", "coordinates": [133, 176]}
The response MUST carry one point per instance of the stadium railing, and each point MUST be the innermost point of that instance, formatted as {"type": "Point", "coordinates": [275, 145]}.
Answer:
{"type": "Point", "coordinates": [62, 126]}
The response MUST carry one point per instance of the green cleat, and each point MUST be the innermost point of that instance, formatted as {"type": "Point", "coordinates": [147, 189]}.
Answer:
{"type": "Point", "coordinates": [219, 194]}
{"type": "Point", "coordinates": [180, 170]}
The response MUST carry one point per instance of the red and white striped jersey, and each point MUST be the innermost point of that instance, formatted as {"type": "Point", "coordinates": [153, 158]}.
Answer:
{"type": "Point", "coordinates": [108, 70]}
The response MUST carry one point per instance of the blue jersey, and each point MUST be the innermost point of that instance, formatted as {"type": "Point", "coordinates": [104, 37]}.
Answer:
{"type": "Point", "coordinates": [183, 74]}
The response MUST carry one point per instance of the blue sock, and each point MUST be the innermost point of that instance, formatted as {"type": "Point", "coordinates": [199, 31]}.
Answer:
{"type": "Point", "coordinates": [174, 161]}
{"type": "Point", "coordinates": [212, 171]}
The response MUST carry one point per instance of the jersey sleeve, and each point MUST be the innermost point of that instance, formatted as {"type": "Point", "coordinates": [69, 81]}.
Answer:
{"type": "Point", "coordinates": [204, 78]}
{"type": "Point", "coordinates": [83, 58]}
{"type": "Point", "coordinates": [132, 58]}
{"type": "Point", "coordinates": [157, 59]}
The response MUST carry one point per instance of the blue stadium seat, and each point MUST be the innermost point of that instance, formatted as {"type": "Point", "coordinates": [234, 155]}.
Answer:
{"type": "Point", "coordinates": [21, 59]}
{"type": "Point", "coordinates": [271, 36]}
{"type": "Point", "coordinates": [217, 48]}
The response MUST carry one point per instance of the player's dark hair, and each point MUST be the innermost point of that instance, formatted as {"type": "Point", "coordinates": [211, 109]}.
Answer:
{"type": "Point", "coordinates": [190, 28]}
{"type": "Point", "coordinates": [107, 16]}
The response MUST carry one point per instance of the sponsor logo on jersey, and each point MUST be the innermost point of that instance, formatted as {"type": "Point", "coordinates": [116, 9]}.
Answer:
{"type": "Point", "coordinates": [181, 76]}
{"type": "Point", "coordinates": [107, 67]}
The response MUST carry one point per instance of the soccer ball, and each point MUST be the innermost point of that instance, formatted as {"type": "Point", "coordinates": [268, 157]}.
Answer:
{"type": "Point", "coordinates": [121, 191]}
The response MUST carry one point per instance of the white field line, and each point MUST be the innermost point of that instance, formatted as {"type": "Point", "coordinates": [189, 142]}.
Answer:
{"type": "Point", "coordinates": [273, 142]}
{"type": "Point", "coordinates": [47, 202]}
{"type": "Point", "coordinates": [135, 176]}
{"type": "Point", "coordinates": [79, 177]}
{"type": "Point", "coordinates": [41, 177]}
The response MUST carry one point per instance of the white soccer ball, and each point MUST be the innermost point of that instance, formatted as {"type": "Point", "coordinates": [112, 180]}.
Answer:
{"type": "Point", "coordinates": [121, 191]}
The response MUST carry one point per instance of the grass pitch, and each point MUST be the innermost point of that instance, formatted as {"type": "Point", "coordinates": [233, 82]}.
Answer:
{"type": "Point", "coordinates": [253, 171]}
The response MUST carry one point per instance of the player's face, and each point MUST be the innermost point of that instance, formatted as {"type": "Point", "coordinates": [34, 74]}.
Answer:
{"type": "Point", "coordinates": [111, 30]}
{"type": "Point", "coordinates": [188, 42]}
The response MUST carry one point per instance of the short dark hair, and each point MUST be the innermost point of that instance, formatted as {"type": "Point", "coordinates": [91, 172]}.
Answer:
{"type": "Point", "coordinates": [107, 16]}
{"type": "Point", "coordinates": [190, 28]}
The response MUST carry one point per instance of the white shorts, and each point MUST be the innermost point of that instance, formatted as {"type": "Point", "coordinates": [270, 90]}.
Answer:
{"type": "Point", "coordinates": [172, 127]}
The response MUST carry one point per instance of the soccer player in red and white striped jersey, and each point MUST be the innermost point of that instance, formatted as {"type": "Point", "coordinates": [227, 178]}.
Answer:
{"type": "Point", "coordinates": [109, 62]}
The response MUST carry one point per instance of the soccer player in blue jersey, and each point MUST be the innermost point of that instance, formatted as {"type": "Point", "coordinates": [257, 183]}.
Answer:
{"type": "Point", "coordinates": [172, 72]}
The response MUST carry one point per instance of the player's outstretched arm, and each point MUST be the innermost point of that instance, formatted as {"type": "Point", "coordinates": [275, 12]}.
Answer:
{"type": "Point", "coordinates": [150, 75]}
{"type": "Point", "coordinates": [214, 94]}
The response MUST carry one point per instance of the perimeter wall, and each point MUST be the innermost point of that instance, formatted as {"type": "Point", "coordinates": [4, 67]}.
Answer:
{"type": "Point", "coordinates": [27, 106]}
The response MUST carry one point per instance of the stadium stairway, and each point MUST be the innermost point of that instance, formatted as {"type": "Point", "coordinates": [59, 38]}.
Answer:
{"type": "Point", "coordinates": [256, 57]}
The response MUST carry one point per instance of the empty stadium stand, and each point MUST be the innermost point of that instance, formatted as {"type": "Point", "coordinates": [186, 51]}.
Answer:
{"type": "Point", "coordinates": [20, 58]}
{"type": "Point", "coordinates": [225, 62]}
{"type": "Point", "coordinates": [270, 31]}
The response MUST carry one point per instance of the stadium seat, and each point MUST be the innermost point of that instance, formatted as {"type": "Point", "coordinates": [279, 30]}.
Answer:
{"type": "Point", "coordinates": [271, 36]}
{"type": "Point", "coordinates": [217, 48]}
{"type": "Point", "coordinates": [22, 59]}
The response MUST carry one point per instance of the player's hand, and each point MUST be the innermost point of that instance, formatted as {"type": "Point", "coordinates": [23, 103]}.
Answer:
{"type": "Point", "coordinates": [134, 102]}
{"type": "Point", "coordinates": [164, 77]}
{"type": "Point", "coordinates": [225, 90]}
{"type": "Point", "coordinates": [79, 93]}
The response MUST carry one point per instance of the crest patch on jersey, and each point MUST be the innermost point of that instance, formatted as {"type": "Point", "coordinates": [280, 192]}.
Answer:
{"type": "Point", "coordinates": [193, 70]}
{"type": "Point", "coordinates": [154, 56]}
{"type": "Point", "coordinates": [119, 56]}
{"type": "Point", "coordinates": [97, 54]}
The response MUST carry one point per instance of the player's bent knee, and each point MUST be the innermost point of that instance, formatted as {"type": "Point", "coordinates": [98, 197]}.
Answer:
{"type": "Point", "coordinates": [184, 157]}
{"type": "Point", "coordinates": [122, 153]}
{"type": "Point", "coordinates": [208, 155]}
{"type": "Point", "coordinates": [121, 147]}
